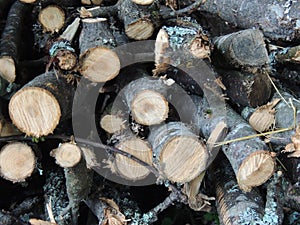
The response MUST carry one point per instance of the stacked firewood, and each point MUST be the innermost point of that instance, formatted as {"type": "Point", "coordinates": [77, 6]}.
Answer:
{"type": "Point", "coordinates": [206, 89]}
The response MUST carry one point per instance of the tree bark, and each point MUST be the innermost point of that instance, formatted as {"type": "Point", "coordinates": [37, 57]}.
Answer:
{"type": "Point", "coordinates": [37, 108]}
{"type": "Point", "coordinates": [4, 6]}
{"type": "Point", "coordinates": [252, 163]}
{"type": "Point", "coordinates": [246, 89]}
{"type": "Point", "coordinates": [278, 20]}
{"type": "Point", "coordinates": [177, 152]}
{"type": "Point", "coordinates": [244, 50]}
{"type": "Point", "coordinates": [10, 40]}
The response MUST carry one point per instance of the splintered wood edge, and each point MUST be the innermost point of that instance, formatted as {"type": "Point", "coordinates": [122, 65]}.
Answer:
{"type": "Point", "coordinates": [256, 169]}
{"type": "Point", "coordinates": [34, 111]}
{"type": "Point", "coordinates": [67, 155]}
{"type": "Point", "coordinates": [17, 162]}
{"type": "Point", "coordinates": [141, 29]}
{"type": "Point", "coordinates": [112, 123]}
{"type": "Point", "coordinates": [128, 168]}
{"type": "Point", "coordinates": [67, 60]}
{"type": "Point", "coordinates": [162, 61]}
{"type": "Point", "coordinates": [149, 107]}
{"type": "Point", "coordinates": [179, 163]}
{"type": "Point", "coordinates": [53, 22]}
{"type": "Point", "coordinates": [143, 2]}
{"type": "Point", "coordinates": [7, 68]}
{"type": "Point", "coordinates": [99, 64]}
{"type": "Point", "coordinates": [40, 222]}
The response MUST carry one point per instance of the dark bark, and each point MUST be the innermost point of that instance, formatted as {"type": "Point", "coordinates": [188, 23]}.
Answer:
{"type": "Point", "coordinates": [246, 89]}
{"type": "Point", "coordinates": [278, 20]}
{"type": "Point", "coordinates": [10, 40]}
{"type": "Point", "coordinates": [4, 6]}
{"type": "Point", "coordinates": [241, 50]}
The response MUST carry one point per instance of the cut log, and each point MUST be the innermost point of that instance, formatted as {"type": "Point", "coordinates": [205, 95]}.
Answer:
{"type": "Point", "coordinates": [91, 2]}
{"type": "Point", "coordinates": [28, 1]}
{"type": "Point", "coordinates": [98, 62]}
{"type": "Point", "coordinates": [128, 168]}
{"type": "Point", "coordinates": [67, 155]}
{"type": "Point", "coordinates": [234, 206]}
{"type": "Point", "coordinates": [10, 40]}
{"type": "Point", "coordinates": [289, 55]}
{"type": "Point", "coordinates": [52, 18]}
{"type": "Point", "coordinates": [277, 20]}
{"type": "Point", "coordinates": [137, 19]}
{"type": "Point", "coordinates": [143, 2]}
{"type": "Point", "coordinates": [252, 163]}
{"type": "Point", "coordinates": [7, 128]}
{"type": "Point", "coordinates": [177, 152]}
{"type": "Point", "coordinates": [38, 107]}
{"type": "Point", "coordinates": [244, 50]}
{"type": "Point", "coordinates": [17, 162]}
{"type": "Point", "coordinates": [112, 123]}
{"type": "Point", "coordinates": [146, 101]}
{"type": "Point", "coordinates": [180, 43]}
{"type": "Point", "coordinates": [246, 89]}
{"type": "Point", "coordinates": [40, 222]}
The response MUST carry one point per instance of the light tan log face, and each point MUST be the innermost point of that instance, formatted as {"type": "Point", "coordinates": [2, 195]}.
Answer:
{"type": "Point", "coordinates": [99, 64]}
{"type": "Point", "coordinates": [256, 169]}
{"type": "Point", "coordinates": [52, 18]}
{"type": "Point", "coordinates": [17, 161]}
{"type": "Point", "coordinates": [128, 168]}
{"type": "Point", "coordinates": [67, 155]}
{"type": "Point", "coordinates": [34, 111]}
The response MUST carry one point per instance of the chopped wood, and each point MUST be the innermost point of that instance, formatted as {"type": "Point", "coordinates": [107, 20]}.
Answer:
{"type": "Point", "coordinates": [7, 128]}
{"type": "Point", "coordinates": [52, 18]}
{"type": "Point", "coordinates": [112, 123]}
{"type": "Point", "coordinates": [246, 89]}
{"type": "Point", "coordinates": [91, 2]}
{"type": "Point", "coordinates": [67, 155]}
{"type": "Point", "coordinates": [289, 55]}
{"type": "Point", "coordinates": [279, 21]}
{"type": "Point", "coordinates": [37, 108]}
{"type": "Point", "coordinates": [98, 62]}
{"type": "Point", "coordinates": [128, 168]}
{"type": "Point", "coordinates": [178, 153]}
{"type": "Point", "coordinates": [244, 50]}
{"type": "Point", "coordinates": [145, 97]}
{"type": "Point", "coordinates": [17, 162]}
{"type": "Point", "coordinates": [11, 39]}
{"type": "Point", "coordinates": [252, 163]}
{"type": "Point", "coordinates": [40, 222]}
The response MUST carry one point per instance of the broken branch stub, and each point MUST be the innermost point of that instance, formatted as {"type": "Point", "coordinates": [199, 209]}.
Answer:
{"type": "Point", "coordinates": [37, 108]}
{"type": "Point", "coordinates": [177, 152]}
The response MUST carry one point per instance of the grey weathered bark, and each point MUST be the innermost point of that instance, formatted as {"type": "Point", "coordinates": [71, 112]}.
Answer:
{"type": "Point", "coordinates": [278, 20]}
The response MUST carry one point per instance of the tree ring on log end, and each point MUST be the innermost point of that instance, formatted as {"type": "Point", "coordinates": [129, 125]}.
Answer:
{"type": "Point", "coordinates": [52, 18]}
{"type": "Point", "coordinates": [256, 169]}
{"type": "Point", "coordinates": [183, 158]}
{"type": "Point", "coordinates": [17, 161]}
{"type": "Point", "coordinates": [149, 107]}
{"type": "Point", "coordinates": [141, 29]}
{"type": "Point", "coordinates": [99, 64]}
{"type": "Point", "coordinates": [35, 111]}
{"type": "Point", "coordinates": [128, 168]}
{"type": "Point", "coordinates": [67, 155]}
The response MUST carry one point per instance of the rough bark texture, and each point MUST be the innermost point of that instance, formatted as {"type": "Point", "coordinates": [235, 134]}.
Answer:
{"type": "Point", "coordinates": [250, 159]}
{"type": "Point", "coordinates": [10, 40]}
{"type": "Point", "coordinates": [246, 89]}
{"type": "Point", "coordinates": [37, 108]}
{"type": "Point", "coordinates": [177, 152]}
{"type": "Point", "coordinates": [241, 50]}
{"type": "Point", "coordinates": [278, 20]}
{"type": "Point", "coordinates": [4, 6]}
{"type": "Point", "coordinates": [232, 203]}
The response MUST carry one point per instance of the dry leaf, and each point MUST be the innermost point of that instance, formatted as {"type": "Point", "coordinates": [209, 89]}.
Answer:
{"type": "Point", "coordinates": [264, 117]}
{"type": "Point", "coordinates": [294, 147]}
{"type": "Point", "coordinates": [112, 214]}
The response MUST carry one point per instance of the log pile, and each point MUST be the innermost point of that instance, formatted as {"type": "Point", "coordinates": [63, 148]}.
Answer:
{"type": "Point", "coordinates": [208, 117]}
